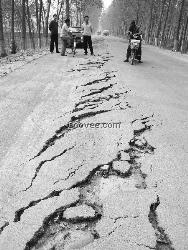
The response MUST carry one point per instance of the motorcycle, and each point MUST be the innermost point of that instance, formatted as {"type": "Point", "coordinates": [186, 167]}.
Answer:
{"type": "Point", "coordinates": [135, 44]}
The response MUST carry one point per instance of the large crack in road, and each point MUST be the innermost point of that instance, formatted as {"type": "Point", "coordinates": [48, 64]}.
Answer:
{"type": "Point", "coordinates": [60, 227]}
{"type": "Point", "coordinates": [88, 197]}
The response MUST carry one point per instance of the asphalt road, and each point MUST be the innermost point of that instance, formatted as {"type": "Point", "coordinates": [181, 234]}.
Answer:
{"type": "Point", "coordinates": [103, 187]}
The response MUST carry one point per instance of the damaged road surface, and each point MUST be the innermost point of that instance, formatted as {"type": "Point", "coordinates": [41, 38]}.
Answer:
{"type": "Point", "coordinates": [98, 160]}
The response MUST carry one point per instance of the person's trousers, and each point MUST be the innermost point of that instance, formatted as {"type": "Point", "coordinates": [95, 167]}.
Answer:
{"type": "Point", "coordinates": [64, 45]}
{"type": "Point", "coordinates": [54, 39]}
{"type": "Point", "coordinates": [88, 42]}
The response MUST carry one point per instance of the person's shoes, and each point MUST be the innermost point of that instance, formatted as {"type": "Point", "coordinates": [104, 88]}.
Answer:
{"type": "Point", "coordinates": [126, 60]}
{"type": "Point", "coordinates": [85, 53]}
{"type": "Point", "coordinates": [140, 61]}
{"type": "Point", "coordinates": [63, 55]}
{"type": "Point", "coordinates": [92, 54]}
{"type": "Point", "coordinates": [57, 52]}
{"type": "Point", "coordinates": [51, 52]}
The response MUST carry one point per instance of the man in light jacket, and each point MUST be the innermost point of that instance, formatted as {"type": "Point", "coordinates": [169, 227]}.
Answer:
{"type": "Point", "coordinates": [65, 36]}
{"type": "Point", "coordinates": [87, 32]}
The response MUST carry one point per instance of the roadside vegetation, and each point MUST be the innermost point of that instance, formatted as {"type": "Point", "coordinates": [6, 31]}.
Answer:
{"type": "Point", "coordinates": [24, 23]}
{"type": "Point", "coordinates": [164, 23]}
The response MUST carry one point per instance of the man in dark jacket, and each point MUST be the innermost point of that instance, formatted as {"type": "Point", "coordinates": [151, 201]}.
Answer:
{"type": "Point", "coordinates": [133, 29]}
{"type": "Point", "coordinates": [53, 27]}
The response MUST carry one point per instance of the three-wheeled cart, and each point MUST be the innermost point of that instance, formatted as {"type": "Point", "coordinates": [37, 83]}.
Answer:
{"type": "Point", "coordinates": [76, 40]}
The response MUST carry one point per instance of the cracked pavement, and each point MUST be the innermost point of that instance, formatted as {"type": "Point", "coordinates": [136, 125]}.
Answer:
{"type": "Point", "coordinates": [66, 187]}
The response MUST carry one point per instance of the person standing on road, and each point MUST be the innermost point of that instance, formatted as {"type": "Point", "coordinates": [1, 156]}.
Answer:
{"type": "Point", "coordinates": [87, 32]}
{"type": "Point", "coordinates": [65, 35]}
{"type": "Point", "coordinates": [53, 27]}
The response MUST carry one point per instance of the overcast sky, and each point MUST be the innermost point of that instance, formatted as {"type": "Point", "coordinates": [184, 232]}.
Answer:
{"type": "Point", "coordinates": [107, 3]}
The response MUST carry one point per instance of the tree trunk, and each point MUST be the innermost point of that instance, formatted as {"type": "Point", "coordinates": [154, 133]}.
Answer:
{"type": "Point", "coordinates": [181, 36]}
{"type": "Point", "coordinates": [183, 47]}
{"type": "Point", "coordinates": [138, 11]}
{"type": "Point", "coordinates": [177, 33]}
{"type": "Point", "coordinates": [67, 9]}
{"type": "Point", "coordinates": [29, 25]}
{"type": "Point", "coordinates": [2, 40]}
{"type": "Point", "coordinates": [150, 22]}
{"type": "Point", "coordinates": [37, 13]}
{"type": "Point", "coordinates": [77, 14]}
{"type": "Point", "coordinates": [39, 25]}
{"type": "Point", "coordinates": [165, 23]}
{"type": "Point", "coordinates": [47, 21]}
{"type": "Point", "coordinates": [80, 18]}
{"type": "Point", "coordinates": [60, 9]}
{"type": "Point", "coordinates": [23, 25]}
{"type": "Point", "coordinates": [20, 27]}
{"type": "Point", "coordinates": [13, 43]}
{"type": "Point", "coordinates": [159, 24]}
{"type": "Point", "coordinates": [43, 21]}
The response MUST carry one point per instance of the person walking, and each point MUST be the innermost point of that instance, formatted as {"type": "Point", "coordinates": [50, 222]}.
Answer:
{"type": "Point", "coordinates": [87, 32]}
{"type": "Point", "coordinates": [65, 35]}
{"type": "Point", "coordinates": [53, 27]}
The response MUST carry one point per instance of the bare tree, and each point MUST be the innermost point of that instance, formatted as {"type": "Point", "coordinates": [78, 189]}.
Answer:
{"type": "Point", "coordinates": [59, 10]}
{"type": "Point", "coordinates": [165, 23]}
{"type": "Point", "coordinates": [13, 43]}
{"type": "Point", "coordinates": [159, 23]}
{"type": "Point", "coordinates": [2, 41]}
{"type": "Point", "coordinates": [183, 46]}
{"type": "Point", "coordinates": [67, 9]}
{"type": "Point", "coordinates": [37, 13]}
{"type": "Point", "coordinates": [47, 20]}
{"type": "Point", "coordinates": [29, 25]}
{"type": "Point", "coordinates": [39, 24]}
{"type": "Point", "coordinates": [23, 25]}
{"type": "Point", "coordinates": [177, 32]}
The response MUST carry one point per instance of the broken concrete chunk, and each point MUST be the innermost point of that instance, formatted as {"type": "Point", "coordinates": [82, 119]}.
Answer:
{"type": "Point", "coordinates": [140, 142]}
{"type": "Point", "coordinates": [122, 166]}
{"type": "Point", "coordinates": [114, 184]}
{"type": "Point", "coordinates": [79, 211]}
{"type": "Point", "coordinates": [131, 203]}
{"type": "Point", "coordinates": [139, 178]}
{"type": "Point", "coordinates": [137, 125]}
{"type": "Point", "coordinates": [105, 167]}
{"type": "Point", "coordinates": [104, 226]}
{"type": "Point", "coordinates": [79, 239]}
{"type": "Point", "coordinates": [128, 233]}
{"type": "Point", "coordinates": [124, 156]}
{"type": "Point", "coordinates": [32, 220]}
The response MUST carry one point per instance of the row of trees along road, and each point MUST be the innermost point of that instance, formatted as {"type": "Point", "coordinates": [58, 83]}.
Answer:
{"type": "Point", "coordinates": [24, 23]}
{"type": "Point", "coordinates": [164, 23]}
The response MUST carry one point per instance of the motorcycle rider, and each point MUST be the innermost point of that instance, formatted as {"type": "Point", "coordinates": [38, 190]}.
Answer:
{"type": "Point", "coordinates": [133, 29]}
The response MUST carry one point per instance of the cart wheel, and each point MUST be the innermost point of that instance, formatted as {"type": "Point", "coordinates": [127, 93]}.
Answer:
{"type": "Point", "coordinates": [132, 59]}
{"type": "Point", "coordinates": [74, 49]}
